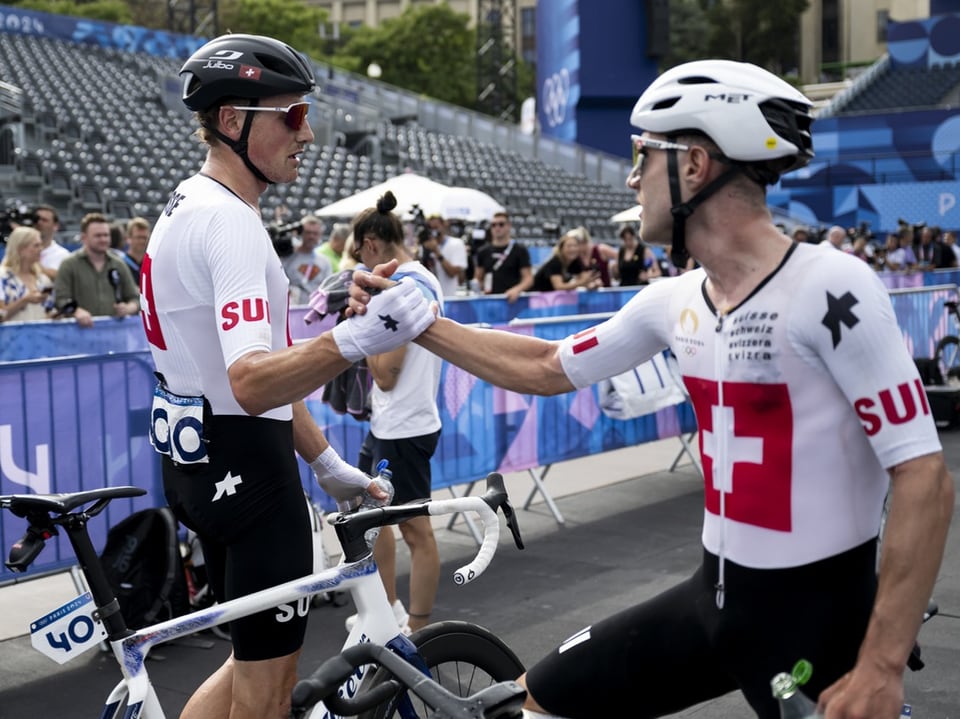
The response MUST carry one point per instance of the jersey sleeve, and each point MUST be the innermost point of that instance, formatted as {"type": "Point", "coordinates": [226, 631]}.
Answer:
{"type": "Point", "coordinates": [632, 336]}
{"type": "Point", "coordinates": [852, 329]}
{"type": "Point", "coordinates": [237, 253]}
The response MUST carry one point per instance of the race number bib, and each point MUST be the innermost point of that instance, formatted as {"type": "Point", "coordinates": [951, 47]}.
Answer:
{"type": "Point", "coordinates": [68, 631]}
{"type": "Point", "coordinates": [176, 427]}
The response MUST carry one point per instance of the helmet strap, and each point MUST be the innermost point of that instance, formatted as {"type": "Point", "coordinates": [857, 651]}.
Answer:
{"type": "Point", "coordinates": [240, 146]}
{"type": "Point", "coordinates": [682, 210]}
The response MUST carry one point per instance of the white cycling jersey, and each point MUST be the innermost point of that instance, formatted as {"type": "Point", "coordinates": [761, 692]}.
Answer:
{"type": "Point", "coordinates": [818, 396]}
{"type": "Point", "coordinates": [211, 273]}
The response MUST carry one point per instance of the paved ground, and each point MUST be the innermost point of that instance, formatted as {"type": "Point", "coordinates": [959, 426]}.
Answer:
{"type": "Point", "coordinates": [633, 532]}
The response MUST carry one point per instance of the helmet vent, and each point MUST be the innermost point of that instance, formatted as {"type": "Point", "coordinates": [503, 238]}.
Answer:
{"type": "Point", "coordinates": [696, 80]}
{"type": "Point", "coordinates": [664, 104]}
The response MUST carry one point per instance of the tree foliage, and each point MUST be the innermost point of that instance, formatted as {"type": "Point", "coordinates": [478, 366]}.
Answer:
{"type": "Point", "coordinates": [428, 49]}
{"type": "Point", "coordinates": [292, 21]}
{"type": "Point", "coordinates": [758, 31]}
{"type": "Point", "coordinates": [107, 10]}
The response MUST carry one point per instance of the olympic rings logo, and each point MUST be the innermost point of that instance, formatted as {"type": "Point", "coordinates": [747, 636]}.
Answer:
{"type": "Point", "coordinates": [554, 97]}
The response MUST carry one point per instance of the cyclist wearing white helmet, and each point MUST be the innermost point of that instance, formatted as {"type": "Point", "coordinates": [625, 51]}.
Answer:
{"type": "Point", "coordinates": [809, 408]}
{"type": "Point", "coordinates": [228, 413]}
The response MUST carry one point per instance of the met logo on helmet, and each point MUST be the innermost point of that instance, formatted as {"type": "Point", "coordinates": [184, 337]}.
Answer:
{"type": "Point", "coordinates": [731, 98]}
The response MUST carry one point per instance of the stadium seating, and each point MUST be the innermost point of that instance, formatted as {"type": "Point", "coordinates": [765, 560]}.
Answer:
{"type": "Point", "coordinates": [97, 135]}
{"type": "Point", "coordinates": [893, 89]}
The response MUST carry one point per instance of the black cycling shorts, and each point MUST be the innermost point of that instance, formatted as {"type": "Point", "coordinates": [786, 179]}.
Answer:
{"type": "Point", "coordinates": [248, 509]}
{"type": "Point", "coordinates": [409, 459]}
{"type": "Point", "coordinates": [678, 649]}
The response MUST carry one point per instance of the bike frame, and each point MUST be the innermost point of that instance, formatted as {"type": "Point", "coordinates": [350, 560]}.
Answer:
{"type": "Point", "coordinates": [357, 574]}
{"type": "Point", "coordinates": [375, 623]}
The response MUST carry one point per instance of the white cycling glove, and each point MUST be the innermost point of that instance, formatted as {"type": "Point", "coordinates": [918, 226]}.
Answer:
{"type": "Point", "coordinates": [340, 480]}
{"type": "Point", "coordinates": [393, 318]}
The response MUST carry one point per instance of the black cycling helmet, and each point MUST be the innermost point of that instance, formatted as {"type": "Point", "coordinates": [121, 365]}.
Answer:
{"type": "Point", "coordinates": [244, 66]}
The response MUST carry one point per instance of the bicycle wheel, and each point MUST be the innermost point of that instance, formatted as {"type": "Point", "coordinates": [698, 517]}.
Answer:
{"type": "Point", "coordinates": [947, 356]}
{"type": "Point", "coordinates": [462, 657]}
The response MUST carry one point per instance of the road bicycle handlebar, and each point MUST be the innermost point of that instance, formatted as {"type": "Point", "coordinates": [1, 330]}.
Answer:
{"type": "Point", "coordinates": [351, 527]}
{"type": "Point", "coordinates": [498, 701]}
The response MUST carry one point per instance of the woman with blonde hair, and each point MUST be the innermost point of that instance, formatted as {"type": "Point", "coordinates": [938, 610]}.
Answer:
{"type": "Point", "coordinates": [24, 288]}
{"type": "Point", "coordinates": [564, 269]}
{"type": "Point", "coordinates": [595, 255]}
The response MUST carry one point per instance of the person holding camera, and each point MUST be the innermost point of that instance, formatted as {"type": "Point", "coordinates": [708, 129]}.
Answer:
{"type": "Point", "coordinates": [24, 288]}
{"type": "Point", "coordinates": [444, 255]}
{"type": "Point", "coordinates": [93, 279]}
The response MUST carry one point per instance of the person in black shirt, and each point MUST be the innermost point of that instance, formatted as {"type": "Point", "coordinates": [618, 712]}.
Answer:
{"type": "Point", "coordinates": [503, 264]}
{"type": "Point", "coordinates": [636, 264]}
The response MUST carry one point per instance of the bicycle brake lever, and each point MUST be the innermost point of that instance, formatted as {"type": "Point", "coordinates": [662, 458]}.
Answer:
{"type": "Point", "coordinates": [512, 523]}
{"type": "Point", "coordinates": [496, 497]}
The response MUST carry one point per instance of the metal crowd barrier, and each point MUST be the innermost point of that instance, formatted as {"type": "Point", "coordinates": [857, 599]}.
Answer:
{"type": "Point", "coordinates": [75, 423]}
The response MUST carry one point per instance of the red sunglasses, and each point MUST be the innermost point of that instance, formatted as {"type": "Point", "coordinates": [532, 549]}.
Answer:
{"type": "Point", "coordinates": [294, 115]}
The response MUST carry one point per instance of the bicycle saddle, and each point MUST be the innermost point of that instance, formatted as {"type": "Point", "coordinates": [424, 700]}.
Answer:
{"type": "Point", "coordinates": [64, 502]}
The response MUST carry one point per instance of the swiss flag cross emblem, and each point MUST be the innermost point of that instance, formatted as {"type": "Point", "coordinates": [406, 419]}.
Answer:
{"type": "Point", "coordinates": [249, 72]}
{"type": "Point", "coordinates": [758, 476]}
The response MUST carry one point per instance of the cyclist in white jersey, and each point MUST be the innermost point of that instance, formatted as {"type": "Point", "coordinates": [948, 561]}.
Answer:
{"type": "Point", "coordinates": [228, 414]}
{"type": "Point", "coordinates": [809, 408]}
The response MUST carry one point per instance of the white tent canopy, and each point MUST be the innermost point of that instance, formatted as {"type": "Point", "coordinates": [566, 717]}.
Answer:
{"type": "Point", "coordinates": [462, 203]}
{"type": "Point", "coordinates": [631, 215]}
{"type": "Point", "coordinates": [409, 188]}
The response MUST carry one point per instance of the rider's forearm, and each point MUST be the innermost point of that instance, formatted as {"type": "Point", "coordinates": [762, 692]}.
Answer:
{"type": "Point", "coordinates": [264, 380]}
{"type": "Point", "coordinates": [308, 439]}
{"type": "Point", "coordinates": [513, 361]}
{"type": "Point", "coordinates": [921, 506]}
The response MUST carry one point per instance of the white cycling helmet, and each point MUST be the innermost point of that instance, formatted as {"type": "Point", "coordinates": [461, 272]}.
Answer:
{"type": "Point", "coordinates": [751, 114]}
{"type": "Point", "coordinates": [760, 124]}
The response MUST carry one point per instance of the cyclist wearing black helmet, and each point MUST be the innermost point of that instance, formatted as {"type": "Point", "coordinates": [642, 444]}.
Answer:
{"type": "Point", "coordinates": [809, 409]}
{"type": "Point", "coordinates": [228, 414]}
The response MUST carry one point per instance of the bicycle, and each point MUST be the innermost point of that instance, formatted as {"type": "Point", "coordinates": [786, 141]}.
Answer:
{"type": "Point", "coordinates": [95, 616]}
{"type": "Point", "coordinates": [946, 356]}
{"type": "Point", "coordinates": [503, 700]}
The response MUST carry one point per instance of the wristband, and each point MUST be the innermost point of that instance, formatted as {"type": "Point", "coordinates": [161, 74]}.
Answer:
{"type": "Point", "coordinates": [337, 478]}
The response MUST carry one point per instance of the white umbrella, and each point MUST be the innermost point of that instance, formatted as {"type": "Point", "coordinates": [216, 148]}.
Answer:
{"type": "Point", "coordinates": [631, 215]}
{"type": "Point", "coordinates": [463, 203]}
{"type": "Point", "coordinates": [409, 188]}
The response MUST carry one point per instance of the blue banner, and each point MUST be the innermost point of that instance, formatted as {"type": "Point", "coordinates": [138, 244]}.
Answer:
{"type": "Point", "coordinates": [97, 32]}
{"type": "Point", "coordinates": [558, 68]}
{"type": "Point", "coordinates": [878, 169]}
{"type": "Point", "coordinates": [931, 42]}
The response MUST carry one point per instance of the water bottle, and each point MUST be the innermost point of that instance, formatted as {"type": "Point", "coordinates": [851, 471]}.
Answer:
{"type": "Point", "coordinates": [366, 501]}
{"type": "Point", "coordinates": [794, 704]}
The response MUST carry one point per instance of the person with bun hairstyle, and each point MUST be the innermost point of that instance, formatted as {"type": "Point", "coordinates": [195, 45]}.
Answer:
{"type": "Point", "coordinates": [228, 416]}
{"type": "Point", "coordinates": [404, 420]}
{"type": "Point", "coordinates": [801, 439]}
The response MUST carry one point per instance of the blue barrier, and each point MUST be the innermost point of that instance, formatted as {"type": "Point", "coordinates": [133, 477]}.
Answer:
{"type": "Point", "coordinates": [76, 423]}
{"type": "Point", "coordinates": [68, 425]}
{"type": "Point", "coordinates": [61, 338]}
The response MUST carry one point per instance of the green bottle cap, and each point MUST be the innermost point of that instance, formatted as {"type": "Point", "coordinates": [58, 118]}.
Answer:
{"type": "Point", "coordinates": [802, 671]}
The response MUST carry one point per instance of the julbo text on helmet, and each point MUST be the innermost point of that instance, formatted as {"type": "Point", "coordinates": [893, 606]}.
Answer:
{"type": "Point", "coordinates": [243, 66]}
{"type": "Point", "coordinates": [751, 114]}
